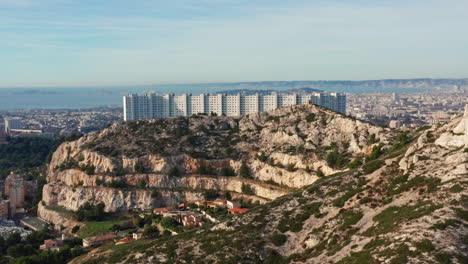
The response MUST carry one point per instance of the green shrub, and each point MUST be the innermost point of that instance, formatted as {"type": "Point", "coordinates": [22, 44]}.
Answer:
{"type": "Point", "coordinates": [244, 170]}
{"type": "Point", "coordinates": [173, 171]}
{"type": "Point", "coordinates": [262, 157]}
{"type": "Point", "coordinates": [372, 166]}
{"type": "Point", "coordinates": [151, 231]}
{"type": "Point", "coordinates": [247, 189]}
{"type": "Point", "coordinates": [355, 163]}
{"type": "Point", "coordinates": [310, 117]}
{"type": "Point", "coordinates": [340, 201]}
{"type": "Point", "coordinates": [75, 229]}
{"type": "Point", "coordinates": [211, 194]}
{"type": "Point", "coordinates": [279, 239]}
{"type": "Point", "coordinates": [227, 171]}
{"type": "Point", "coordinates": [443, 258]}
{"type": "Point", "coordinates": [351, 217]}
{"type": "Point", "coordinates": [139, 167]}
{"type": "Point", "coordinates": [206, 169]}
{"type": "Point", "coordinates": [320, 173]}
{"type": "Point", "coordinates": [425, 245]}
{"type": "Point", "coordinates": [291, 167]}
{"type": "Point", "coordinates": [456, 188]}
{"type": "Point", "coordinates": [389, 219]}
{"type": "Point", "coordinates": [365, 200]}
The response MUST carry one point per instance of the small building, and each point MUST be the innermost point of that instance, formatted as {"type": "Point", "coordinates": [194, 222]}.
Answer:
{"type": "Point", "coordinates": [192, 220]}
{"type": "Point", "coordinates": [125, 240]}
{"type": "Point", "coordinates": [197, 202]}
{"type": "Point", "coordinates": [98, 240]}
{"type": "Point", "coordinates": [52, 244]}
{"type": "Point", "coordinates": [34, 223]}
{"type": "Point", "coordinates": [162, 210]}
{"type": "Point", "coordinates": [220, 202]}
{"type": "Point", "coordinates": [232, 204]}
{"type": "Point", "coordinates": [137, 236]}
{"type": "Point", "coordinates": [236, 211]}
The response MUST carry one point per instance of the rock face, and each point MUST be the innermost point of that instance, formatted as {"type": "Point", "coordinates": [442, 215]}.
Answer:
{"type": "Point", "coordinates": [113, 199]}
{"type": "Point", "coordinates": [178, 158]}
{"type": "Point", "coordinates": [411, 208]}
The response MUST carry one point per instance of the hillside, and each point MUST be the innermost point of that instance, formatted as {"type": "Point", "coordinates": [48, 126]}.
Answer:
{"type": "Point", "coordinates": [162, 162]}
{"type": "Point", "coordinates": [408, 205]}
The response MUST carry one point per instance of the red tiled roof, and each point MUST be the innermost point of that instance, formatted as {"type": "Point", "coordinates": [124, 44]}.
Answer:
{"type": "Point", "coordinates": [126, 240]}
{"type": "Point", "coordinates": [101, 238]}
{"type": "Point", "coordinates": [238, 210]}
{"type": "Point", "coordinates": [163, 209]}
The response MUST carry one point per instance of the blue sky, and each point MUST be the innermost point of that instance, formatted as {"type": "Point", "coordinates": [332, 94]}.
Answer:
{"type": "Point", "coordinates": [67, 42]}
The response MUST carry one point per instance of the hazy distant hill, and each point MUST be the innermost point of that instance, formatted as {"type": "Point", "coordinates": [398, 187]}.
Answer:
{"type": "Point", "coordinates": [365, 86]}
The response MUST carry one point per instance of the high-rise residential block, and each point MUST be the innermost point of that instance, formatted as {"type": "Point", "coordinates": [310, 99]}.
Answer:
{"type": "Point", "coordinates": [152, 105]}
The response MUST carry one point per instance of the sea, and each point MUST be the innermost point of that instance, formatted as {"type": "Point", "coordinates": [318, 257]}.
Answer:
{"type": "Point", "coordinates": [87, 97]}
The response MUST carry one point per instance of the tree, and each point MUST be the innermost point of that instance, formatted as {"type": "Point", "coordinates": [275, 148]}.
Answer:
{"type": "Point", "coordinates": [139, 167]}
{"type": "Point", "coordinates": [262, 157]}
{"type": "Point", "coordinates": [206, 170]}
{"type": "Point", "coordinates": [291, 167]}
{"type": "Point", "coordinates": [168, 223]}
{"type": "Point", "coordinates": [142, 184]}
{"type": "Point", "coordinates": [2, 245]}
{"type": "Point", "coordinates": [227, 171]}
{"type": "Point", "coordinates": [247, 189]}
{"type": "Point", "coordinates": [75, 229]}
{"type": "Point", "coordinates": [310, 117]}
{"type": "Point", "coordinates": [13, 239]}
{"type": "Point", "coordinates": [211, 194]}
{"type": "Point", "coordinates": [244, 170]}
{"type": "Point", "coordinates": [320, 173]}
{"type": "Point", "coordinates": [376, 152]}
{"type": "Point", "coordinates": [227, 195]}
{"type": "Point", "coordinates": [151, 231]}
{"type": "Point", "coordinates": [279, 239]}
{"type": "Point", "coordinates": [173, 171]}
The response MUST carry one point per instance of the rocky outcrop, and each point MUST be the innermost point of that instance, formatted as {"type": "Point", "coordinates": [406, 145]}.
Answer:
{"type": "Point", "coordinates": [114, 199]}
{"type": "Point", "coordinates": [167, 155]}
{"type": "Point", "coordinates": [60, 220]}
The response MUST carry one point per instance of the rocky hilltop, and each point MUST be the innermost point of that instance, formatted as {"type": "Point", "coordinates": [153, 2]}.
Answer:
{"type": "Point", "coordinates": [161, 162]}
{"type": "Point", "coordinates": [407, 205]}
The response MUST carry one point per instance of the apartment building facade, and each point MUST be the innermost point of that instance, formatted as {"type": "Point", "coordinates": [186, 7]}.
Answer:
{"type": "Point", "coordinates": [152, 105]}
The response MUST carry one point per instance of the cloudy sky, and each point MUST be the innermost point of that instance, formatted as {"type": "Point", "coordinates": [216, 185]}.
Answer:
{"type": "Point", "coordinates": [121, 42]}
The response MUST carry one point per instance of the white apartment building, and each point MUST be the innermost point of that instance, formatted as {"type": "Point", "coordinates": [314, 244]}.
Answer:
{"type": "Point", "coordinates": [152, 105]}
{"type": "Point", "coordinates": [13, 123]}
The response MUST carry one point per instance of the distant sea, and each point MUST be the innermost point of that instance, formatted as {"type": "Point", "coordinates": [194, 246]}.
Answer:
{"type": "Point", "coordinates": [86, 97]}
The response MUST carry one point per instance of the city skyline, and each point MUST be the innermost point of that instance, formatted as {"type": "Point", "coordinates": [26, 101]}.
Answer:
{"type": "Point", "coordinates": [71, 43]}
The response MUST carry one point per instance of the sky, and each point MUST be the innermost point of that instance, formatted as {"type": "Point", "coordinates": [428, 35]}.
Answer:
{"type": "Point", "coordinates": [121, 42]}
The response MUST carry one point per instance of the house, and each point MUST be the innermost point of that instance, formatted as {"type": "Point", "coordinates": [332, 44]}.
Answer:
{"type": "Point", "coordinates": [52, 244]}
{"type": "Point", "coordinates": [220, 202]}
{"type": "Point", "coordinates": [192, 220]}
{"type": "Point", "coordinates": [197, 202]}
{"type": "Point", "coordinates": [162, 210]}
{"type": "Point", "coordinates": [232, 204]}
{"type": "Point", "coordinates": [212, 205]}
{"type": "Point", "coordinates": [125, 240]}
{"type": "Point", "coordinates": [98, 240]}
{"type": "Point", "coordinates": [236, 211]}
{"type": "Point", "coordinates": [137, 236]}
